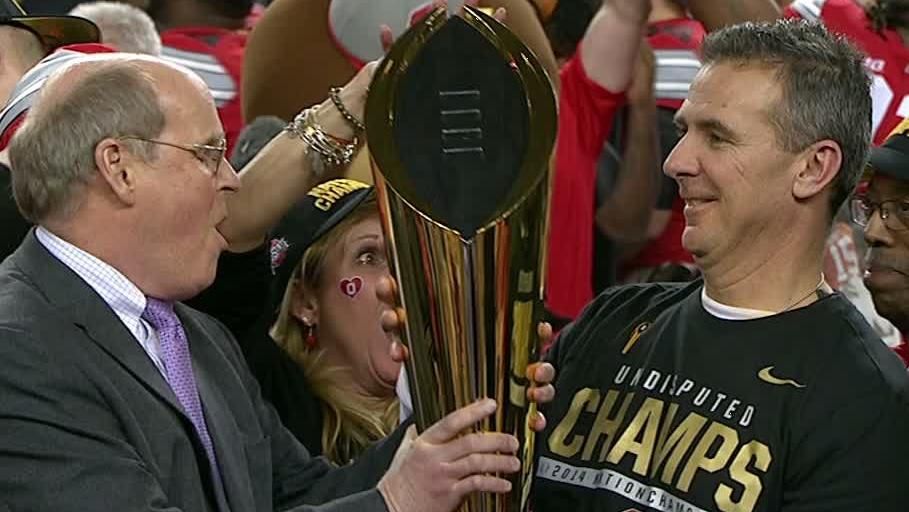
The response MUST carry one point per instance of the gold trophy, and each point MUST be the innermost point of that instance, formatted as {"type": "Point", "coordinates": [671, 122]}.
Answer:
{"type": "Point", "coordinates": [461, 121]}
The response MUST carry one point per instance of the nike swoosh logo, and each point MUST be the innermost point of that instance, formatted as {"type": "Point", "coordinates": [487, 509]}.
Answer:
{"type": "Point", "coordinates": [767, 377]}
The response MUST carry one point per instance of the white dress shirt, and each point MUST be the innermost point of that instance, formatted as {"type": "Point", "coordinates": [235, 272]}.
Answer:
{"type": "Point", "coordinates": [127, 301]}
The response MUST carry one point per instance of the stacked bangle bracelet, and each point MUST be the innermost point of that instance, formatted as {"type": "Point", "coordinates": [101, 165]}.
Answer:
{"type": "Point", "coordinates": [323, 150]}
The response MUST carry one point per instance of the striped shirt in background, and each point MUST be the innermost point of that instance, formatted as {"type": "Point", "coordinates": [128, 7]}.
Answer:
{"type": "Point", "coordinates": [675, 44]}
{"type": "Point", "coordinates": [26, 90]}
{"type": "Point", "coordinates": [216, 56]}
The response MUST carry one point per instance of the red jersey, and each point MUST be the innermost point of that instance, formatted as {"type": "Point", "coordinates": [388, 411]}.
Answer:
{"type": "Point", "coordinates": [216, 55]}
{"type": "Point", "coordinates": [675, 43]}
{"type": "Point", "coordinates": [586, 113]}
{"type": "Point", "coordinates": [887, 57]}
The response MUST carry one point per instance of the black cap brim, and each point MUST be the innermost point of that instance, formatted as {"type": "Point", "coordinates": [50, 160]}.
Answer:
{"type": "Point", "coordinates": [890, 162]}
{"type": "Point", "coordinates": [57, 31]}
{"type": "Point", "coordinates": [301, 227]}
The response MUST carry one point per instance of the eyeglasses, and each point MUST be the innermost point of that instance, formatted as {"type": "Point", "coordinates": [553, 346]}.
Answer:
{"type": "Point", "coordinates": [894, 212]}
{"type": "Point", "coordinates": [210, 156]}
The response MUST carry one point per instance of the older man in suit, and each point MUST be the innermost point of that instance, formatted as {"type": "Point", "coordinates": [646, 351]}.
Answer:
{"type": "Point", "coordinates": [115, 397]}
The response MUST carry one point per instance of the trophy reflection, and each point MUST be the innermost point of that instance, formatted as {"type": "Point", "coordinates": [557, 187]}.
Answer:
{"type": "Point", "coordinates": [461, 120]}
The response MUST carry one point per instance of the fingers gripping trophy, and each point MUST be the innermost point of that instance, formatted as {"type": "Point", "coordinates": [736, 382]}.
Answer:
{"type": "Point", "coordinates": [461, 121]}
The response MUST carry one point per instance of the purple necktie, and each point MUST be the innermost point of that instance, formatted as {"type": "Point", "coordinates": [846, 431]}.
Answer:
{"type": "Point", "coordinates": [179, 370]}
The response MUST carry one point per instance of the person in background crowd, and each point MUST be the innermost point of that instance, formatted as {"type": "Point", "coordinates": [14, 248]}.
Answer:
{"type": "Point", "coordinates": [636, 246]}
{"type": "Point", "coordinates": [593, 80]}
{"type": "Point", "coordinates": [208, 37]}
{"type": "Point", "coordinates": [323, 317]}
{"type": "Point", "coordinates": [121, 165]}
{"type": "Point", "coordinates": [123, 26]}
{"type": "Point", "coordinates": [881, 207]}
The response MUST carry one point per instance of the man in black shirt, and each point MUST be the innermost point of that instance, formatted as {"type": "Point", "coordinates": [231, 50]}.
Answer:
{"type": "Point", "coordinates": [757, 389]}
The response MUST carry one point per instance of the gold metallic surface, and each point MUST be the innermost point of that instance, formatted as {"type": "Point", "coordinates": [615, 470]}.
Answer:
{"type": "Point", "coordinates": [472, 302]}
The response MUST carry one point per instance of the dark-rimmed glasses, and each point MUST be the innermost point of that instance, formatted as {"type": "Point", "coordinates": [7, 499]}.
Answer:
{"type": "Point", "coordinates": [210, 156]}
{"type": "Point", "coordinates": [894, 212]}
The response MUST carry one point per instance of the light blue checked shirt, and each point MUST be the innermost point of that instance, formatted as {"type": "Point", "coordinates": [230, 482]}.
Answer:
{"type": "Point", "coordinates": [127, 301]}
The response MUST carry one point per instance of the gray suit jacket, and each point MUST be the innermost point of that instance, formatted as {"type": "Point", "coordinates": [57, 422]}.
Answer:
{"type": "Point", "coordinates": [87, 423]}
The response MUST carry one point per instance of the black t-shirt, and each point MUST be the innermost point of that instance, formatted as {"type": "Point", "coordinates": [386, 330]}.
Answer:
{"type": "Point", "coordinates": [662, 406]}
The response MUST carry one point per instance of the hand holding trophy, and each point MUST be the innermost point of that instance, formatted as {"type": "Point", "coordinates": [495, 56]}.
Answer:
{"type": "Point", "coordinates": [461, 120]}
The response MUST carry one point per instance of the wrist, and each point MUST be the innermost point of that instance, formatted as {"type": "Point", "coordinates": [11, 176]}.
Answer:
{"type": "Point", "coordinates": [332, 122]}
{"type": "Point", "coordinates": [324, 153]}
{"type": "Point", "coordinates": [388, 497]}
{"type": "Point", "coordinates": [634, 12]}
{"type": "Point", "coordinates": [642, 104]}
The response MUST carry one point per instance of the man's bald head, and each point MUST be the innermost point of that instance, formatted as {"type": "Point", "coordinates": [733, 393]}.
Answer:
{"type": "Point", "coordinates": [100, 97]}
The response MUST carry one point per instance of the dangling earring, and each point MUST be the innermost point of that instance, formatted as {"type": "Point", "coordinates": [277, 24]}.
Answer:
{"type": "Point", "coordinates": [311, 340]}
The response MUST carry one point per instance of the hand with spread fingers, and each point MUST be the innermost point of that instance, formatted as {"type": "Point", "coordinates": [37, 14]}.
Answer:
{"type": "Point", "coordinates": [541, 374]}
{"type": "Point", "coordinates": [437, 470]}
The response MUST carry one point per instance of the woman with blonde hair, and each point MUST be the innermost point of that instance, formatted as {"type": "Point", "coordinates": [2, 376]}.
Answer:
{"type": "Point", "coordinates": [325, 362]}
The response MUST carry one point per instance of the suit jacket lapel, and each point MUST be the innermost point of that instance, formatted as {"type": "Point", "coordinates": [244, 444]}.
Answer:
{"type": "Point", "coordinates": [208, 363]}
{"type": "Point", "coordinates": [77, 300]}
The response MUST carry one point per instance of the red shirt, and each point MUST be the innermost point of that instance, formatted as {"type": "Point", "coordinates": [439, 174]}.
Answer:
{"type": "Point", "coordinates": [887, 57]}
{"type": "Point", "coordinates": [216, 55]}
{"type": "Point", "coordinates": [586, 112]}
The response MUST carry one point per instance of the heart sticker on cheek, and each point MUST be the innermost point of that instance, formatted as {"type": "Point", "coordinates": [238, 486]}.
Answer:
{"type": "Point", "coordinates": [351, 287]}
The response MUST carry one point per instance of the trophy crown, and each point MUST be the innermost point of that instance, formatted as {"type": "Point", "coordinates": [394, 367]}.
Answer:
{"type": "Point", "coordinates": [460, 114]}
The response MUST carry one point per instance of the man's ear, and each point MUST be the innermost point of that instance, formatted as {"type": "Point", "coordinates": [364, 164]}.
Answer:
{"type": "Point", "coordinates": [118, 168]}
{"type": "Point", "coordinates": [821, 164]}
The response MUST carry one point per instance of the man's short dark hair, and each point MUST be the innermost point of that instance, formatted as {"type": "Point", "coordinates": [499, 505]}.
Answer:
{"type": "Point", "coordinates": [568, 24]}
{"type": "Point", "coordinates": [825, 88]}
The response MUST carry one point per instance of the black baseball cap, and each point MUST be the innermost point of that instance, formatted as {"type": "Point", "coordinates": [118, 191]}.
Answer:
{"type": "Point", "coordinates": [892, 157]}
{"type": "Point", "coordinates": [54, 31]}
{"type": "Point", "coordinates": [310, 219]}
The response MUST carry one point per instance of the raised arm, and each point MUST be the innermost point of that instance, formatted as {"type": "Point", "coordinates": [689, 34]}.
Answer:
{"type": "Point", "coordinates": [610, 46]}
{"type": "Point", "coordinates": [281, 174]}
{"type": "Point", "coordinates": [625, 214]}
